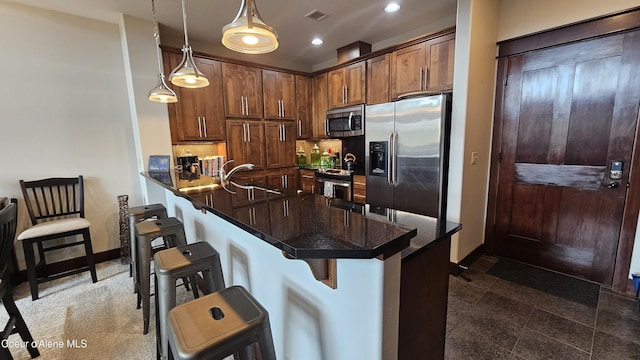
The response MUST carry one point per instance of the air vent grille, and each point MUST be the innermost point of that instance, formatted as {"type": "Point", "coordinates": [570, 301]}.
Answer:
{"type": "Point", "coordinates": [316, 15]}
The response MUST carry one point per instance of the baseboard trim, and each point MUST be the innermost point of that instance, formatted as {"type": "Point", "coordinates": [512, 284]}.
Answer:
{"type": "Point", "coordinates": [456, 270]}
{"type": "Point", "coordinates": [70, 264]}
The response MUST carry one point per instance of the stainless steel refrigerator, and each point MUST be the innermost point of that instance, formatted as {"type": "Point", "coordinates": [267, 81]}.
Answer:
{"type": "Point", "coordinates": [407, 154]}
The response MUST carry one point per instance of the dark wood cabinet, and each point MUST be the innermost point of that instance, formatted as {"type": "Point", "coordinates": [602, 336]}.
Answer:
{"type": "Point", "coordinates": [359, 189]}
{"type": "Point", "coordinates": [427, 66]}
{"type": "Point", "coordinates": [347, 85]}
{"type": "Point", "coordinates": [378, 80]}
{"type": "Point", "coordinates": [219, 199]}
{"type": "Point", "coordinates": [249, 196]}
{"type": "Point", "coordinates": [242, 87]}
{"type": "Point", "coordinates": [245, 142]}
{"type": "Point", "coordinates": [279, 94]}
{"type": "Point", "coordinates": [280, 144]}
{"type": "Point", "coordinates": [198, 115]}
{"type": "Point", "coordinates": [307, 181]}
{"type": "Point", "coordinates": [304, 114]}
{"type": "Point", "coordinates": [320, 104]}
{"type": "Point", "coordinates": [284, 179]}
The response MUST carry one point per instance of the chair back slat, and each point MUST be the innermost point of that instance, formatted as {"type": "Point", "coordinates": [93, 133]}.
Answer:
{"type": "Point", "coordinates": [8, 221]}
{"type": "Point", "coordinates": [53, 198]}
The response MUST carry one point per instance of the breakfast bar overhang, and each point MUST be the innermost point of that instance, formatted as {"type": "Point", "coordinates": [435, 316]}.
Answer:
{"type": "Point", "coordinates": [340, 281]}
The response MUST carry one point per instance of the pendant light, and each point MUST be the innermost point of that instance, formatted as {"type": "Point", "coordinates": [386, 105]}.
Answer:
{"type": "Point", "coordinates": [248, 33]}
{"type": "Point", "coordinates": [161, 93]}
{"type": "Point", "coordinates": [187, 74]}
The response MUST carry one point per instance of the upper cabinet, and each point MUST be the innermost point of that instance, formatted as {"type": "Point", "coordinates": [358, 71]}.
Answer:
{"type": "Point", "coordinates": [242, 87]}
{"type": "Point", "coordinates": [198, 115]}
{"type": "Point", "coordinates": [303, 107]}
{"type": "Point", "coordinates": [378, 80]}
{"type": "Point", "coordinates": [279, 94]}
{"type": "Point", "coordinates": [347, 85]}
{"type": "Point", "coordinates": [319, 104]}
{"type": "Point", "coordinates": [427, 66]}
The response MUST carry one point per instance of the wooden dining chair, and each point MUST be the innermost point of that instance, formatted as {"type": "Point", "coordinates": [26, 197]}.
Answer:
{"type": "Point", "coordinates": [15, 323]}
{"type": "Point", "coordinates": [56, 208]}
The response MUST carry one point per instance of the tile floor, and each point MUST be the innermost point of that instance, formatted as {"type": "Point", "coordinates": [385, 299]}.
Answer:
{"type": "Point", "coordinates": [490, 318]}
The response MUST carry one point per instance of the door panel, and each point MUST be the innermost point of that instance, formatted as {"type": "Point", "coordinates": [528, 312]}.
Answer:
{"type": "Point", "coordinates": [567, 113]}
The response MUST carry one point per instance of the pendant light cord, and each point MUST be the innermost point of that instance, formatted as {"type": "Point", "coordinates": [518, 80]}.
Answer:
{"type": "Point", "coordinates": [184, 24]}
{"type": "Point", "coordinates": [156, 35]}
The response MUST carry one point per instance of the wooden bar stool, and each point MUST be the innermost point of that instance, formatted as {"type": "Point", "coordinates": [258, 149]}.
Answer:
{"type": "Point", "coordinates": [227, 322]}
{"type": "Point", "coordinates": [137, 214]}
{"type": "Point", "coordinates": [172, 231]}
{"type": "Point", "coordinates": [180, 262]}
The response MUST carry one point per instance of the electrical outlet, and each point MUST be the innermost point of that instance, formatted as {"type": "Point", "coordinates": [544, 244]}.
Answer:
{"type": "Point", "coordinates": [474, 157]}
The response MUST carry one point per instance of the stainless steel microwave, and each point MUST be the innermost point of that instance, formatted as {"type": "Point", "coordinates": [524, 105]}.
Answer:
{"type": "Point", "coordinates": [346, 121]}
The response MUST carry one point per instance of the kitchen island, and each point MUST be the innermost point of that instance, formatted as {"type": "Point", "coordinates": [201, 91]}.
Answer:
{"type": "Point", "coordinates": [340, 280]}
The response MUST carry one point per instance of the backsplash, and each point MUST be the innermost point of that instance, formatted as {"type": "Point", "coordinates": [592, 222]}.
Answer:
{"type": "Point", "coordinates": [307, 145]}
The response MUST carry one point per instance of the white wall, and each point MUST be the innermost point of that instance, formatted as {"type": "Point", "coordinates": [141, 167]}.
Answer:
{"type": "Point", "coordinates": [521, 17]}
{"type": "Point", "coordinates": [65, 112]}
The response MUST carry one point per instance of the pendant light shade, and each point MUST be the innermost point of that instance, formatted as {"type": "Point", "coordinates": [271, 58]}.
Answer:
{"type": "Point", "coordinates": [186, 74]}
{"type": "Point", "coordinates": [161, 93]}
{"type": "Point", "coordinates": [248, 33]}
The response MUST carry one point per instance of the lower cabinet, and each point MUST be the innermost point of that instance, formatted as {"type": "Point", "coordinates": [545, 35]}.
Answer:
{"type": "Point", "coordinates": [307, 180]}
{"type": "Point", "coordinates": [285, 179]}
{"type": "Point", "coordinates": [360, 189]}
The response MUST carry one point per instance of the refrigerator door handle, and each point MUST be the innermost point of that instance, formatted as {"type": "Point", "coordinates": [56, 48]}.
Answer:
{"type": "Point", "coordinates": [390, 160]}
{"type": "Point", "coordinates": [395, 158]}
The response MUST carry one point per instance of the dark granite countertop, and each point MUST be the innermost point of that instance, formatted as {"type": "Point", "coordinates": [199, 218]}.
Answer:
{"type": "Point", "coordinates": [307, 226]}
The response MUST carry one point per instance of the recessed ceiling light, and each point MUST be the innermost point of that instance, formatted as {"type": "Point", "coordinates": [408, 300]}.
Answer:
{"type": "Point", "coordinates": [317, 41]}
{"type": "Point", "coordinates": [392, 7]}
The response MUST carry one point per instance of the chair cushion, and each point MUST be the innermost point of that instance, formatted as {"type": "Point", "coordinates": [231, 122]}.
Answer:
{"type": "Point", "coordinates": [54, 227]}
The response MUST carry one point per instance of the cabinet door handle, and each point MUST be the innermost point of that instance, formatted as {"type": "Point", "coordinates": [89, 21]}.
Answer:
{"type": "Point", "coordinates": [346, 94]}
{"type": "Point", "coordinates": [284, 133]}
{"type": "Point", "coordinates": [204, 125]}
{"type": "Point", "coordinates": [299, 128]}
{"type": "Point", "coordinates": [286, 181]}
{"type": "Point", "coordinates": [343, 94]}
{"type": "Point", "coordinates": [254, 215]}
{"type": "Point", "coordinates": [199, 127]}
{"type": "Point", "coordinates": [426, 77]}
{"type": "Point", "coordinates": [420, 84]}
{"type": "Point", "coordinates": [248, 133]}
{"type": "Point", "coordinates": [244, 132]}
{"type": "Point", "coordinates": [242, 105]}
{"type": "Point", "coordinates": [246, 106]}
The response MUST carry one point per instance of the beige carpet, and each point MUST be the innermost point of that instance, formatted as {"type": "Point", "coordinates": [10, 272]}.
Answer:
{"type": "Point", "coordinates": [101, 317]}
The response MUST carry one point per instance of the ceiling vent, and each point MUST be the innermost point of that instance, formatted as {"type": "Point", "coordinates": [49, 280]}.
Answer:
{"type": "Point", "coordinates": [316, 15]}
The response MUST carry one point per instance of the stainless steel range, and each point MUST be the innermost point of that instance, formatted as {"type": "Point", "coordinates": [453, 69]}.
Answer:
{"type": "Point", "coordinates": [335, 183]}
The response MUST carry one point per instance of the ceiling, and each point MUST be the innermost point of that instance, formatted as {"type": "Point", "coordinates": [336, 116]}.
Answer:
{"type": "Point", "coordinates": [348, 21]}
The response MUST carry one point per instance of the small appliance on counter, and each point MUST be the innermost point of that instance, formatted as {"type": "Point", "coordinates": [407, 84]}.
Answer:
{"type": "Point", "coordinates": [189, 163]}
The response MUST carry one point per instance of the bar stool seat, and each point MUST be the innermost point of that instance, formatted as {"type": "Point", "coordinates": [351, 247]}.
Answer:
{"type": "Point", "coordinates": [180, 262]}
{"type": "Point", "coordinates": [172, 231]}
{"type": "Point", "coordinates": [220, 324]}
{"type": "Point", "coordinates": [137, 214]}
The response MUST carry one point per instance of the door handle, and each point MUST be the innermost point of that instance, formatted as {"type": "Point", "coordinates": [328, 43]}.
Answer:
{"type": "Point", "coordinates": [395, 158]}
{"type": "Point", "coordinates": [390, 160]}
{"type": "Point", "coordinates": [204, 125]}
{"type": "Point", "coordinates": [199, 127]}
{"type": "Point", "coordinates": [613, 185]}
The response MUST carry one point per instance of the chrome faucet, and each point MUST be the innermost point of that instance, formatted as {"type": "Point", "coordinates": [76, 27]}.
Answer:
{"type": "Point", "coordinates": [225, 177]}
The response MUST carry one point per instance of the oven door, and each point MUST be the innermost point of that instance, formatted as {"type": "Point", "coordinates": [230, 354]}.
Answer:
{"type": "Point", "coordinates": [334, 188]}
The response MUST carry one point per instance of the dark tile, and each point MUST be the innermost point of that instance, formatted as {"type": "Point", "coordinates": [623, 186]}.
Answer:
{"type": "Point", "coordinates": [518, 292]}
{"type": "Point", "coordinates": [609, 347]}
{"type": "Point", "coordinates": [457, 310]}
{"type": "Point", "coordinates": [562, 329]}
{"type": "Point", "coordinates": [465, 291]}
{"type": "Point", "coordinates": [480, 279]}
{"type": "Point", "coordinates": [617, 324]}
{"type": "Point", "coordinates": [620, 304]}
{"type": "Point", "coordinates": [464, 345]}
{"type": "Point", "coordinates": [535, 346]}
{"type": "Point", "coordinates": [571, 310]}
{"type": "Point", "coordinates": [503, 307]}
{"type": "Point", "coordinates": [490, 328]}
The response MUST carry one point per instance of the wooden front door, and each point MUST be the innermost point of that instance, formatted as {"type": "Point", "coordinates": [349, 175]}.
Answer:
{"type": "Point", "coordinates": [565, 115]}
